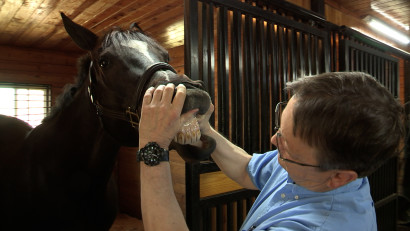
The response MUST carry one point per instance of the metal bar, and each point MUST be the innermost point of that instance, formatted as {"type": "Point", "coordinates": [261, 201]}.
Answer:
{"type": "Point", "coordinates": [316, 54]}
{"type": "Point", "coordinates": [254, 90]}
{"type": "Point", "coordinates": [191, 39]}
{"type": "Point", "coordinates": [309, 54]}
{"type": "Point", "coordinates": [264, 93]}
{"type": "Point", "coordinates": [268, 16]}
{"type": "Point", "coordinates": [192, 195]}
{"type": "Point", "coordinates": [247, 75]}
{"type": "Point", "coordinates": [301, 52]}
{"type": "Point", "coordinates": [293, 54]}
{"type": "Point", "coordinates": [283, 42]}
{"type": "Point", "coordinates": [236, 77]}
{"type": "Point", "coordinates": [223, 73]}
{"type": "Point", "coordinates": [239, 212]}
{"type": "Point", "coordinates": [275, 91]}
{"type": "Point", "coordinates": [230, 216]}
{"type": "Point", "coordinates": [219, 217]}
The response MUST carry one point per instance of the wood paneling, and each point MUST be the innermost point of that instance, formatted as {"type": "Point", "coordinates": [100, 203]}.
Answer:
{"type": "Point", "coordinates": [215, 183]}
{"type": "Point", "coordinates": [352, 13]}
{"type": "Point", "coordinates": [37, 23]}
{"type": "Point", "coordinates": [36, 66]}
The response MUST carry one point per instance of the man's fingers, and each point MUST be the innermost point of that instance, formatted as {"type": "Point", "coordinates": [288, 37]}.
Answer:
{"type": "Point", "coordinates": [158, 94]}
{"type": "Point", "coordinates": [179, 99]}
{"type": "Point", "coordinates": [168, 93]}
{"type": "Point", "coordinates": [148, 96]}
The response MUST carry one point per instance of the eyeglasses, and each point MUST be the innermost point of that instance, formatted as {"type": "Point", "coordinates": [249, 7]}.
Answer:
{"type": "Point", "coordinates": [278, 113]}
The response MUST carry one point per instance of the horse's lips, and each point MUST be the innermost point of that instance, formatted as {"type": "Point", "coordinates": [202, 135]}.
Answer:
{"type": "Point", "coordinates": [189, 133]}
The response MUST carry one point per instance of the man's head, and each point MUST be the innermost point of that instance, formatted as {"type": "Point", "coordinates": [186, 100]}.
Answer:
{"type": "Point", "coordinates": [351, 120]}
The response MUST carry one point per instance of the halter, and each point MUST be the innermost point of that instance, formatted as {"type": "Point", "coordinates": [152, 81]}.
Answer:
{"type": "Point", "coordinates": [128, 115]}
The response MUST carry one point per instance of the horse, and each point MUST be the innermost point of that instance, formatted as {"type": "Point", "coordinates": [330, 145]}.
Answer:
{"type": "Point", "coordinates": [58, 175]}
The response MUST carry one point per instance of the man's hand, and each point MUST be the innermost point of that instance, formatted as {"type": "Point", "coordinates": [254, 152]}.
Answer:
{"type": "Point", "coordinates": [203, 120]}
{"type": "Point", "coordinates": [161, 116]}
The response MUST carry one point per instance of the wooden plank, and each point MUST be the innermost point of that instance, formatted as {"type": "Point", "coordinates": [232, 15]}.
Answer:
{"type": "Point", "coordinates": [7, 11]}
{"type": "Point", "coordinates": [35, 78]}
{"type": "Point", "coordinates": [215, 183]}
{"type": "Point", "coordinates": [18, 54]}
{"type": "Point", "coordinates": [89, 11]}
{"type": "Point", "coordinates": [37, 68]}
{"type": "Point", "coordinates": [49, 23]}
{"type": "Point", "coordinates": [21, 19]}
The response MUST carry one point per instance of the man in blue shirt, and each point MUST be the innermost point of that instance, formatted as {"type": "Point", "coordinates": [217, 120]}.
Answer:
{"type": "Point", "coordinates": [336, 129]}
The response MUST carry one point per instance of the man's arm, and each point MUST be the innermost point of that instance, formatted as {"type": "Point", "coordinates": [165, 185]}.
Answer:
{"type": "Point", "coordinates": [160, 121]}
{"type": "Point", "coordinates": [160, 209]}
{"type": "Point", "coordinates": [231, 159]}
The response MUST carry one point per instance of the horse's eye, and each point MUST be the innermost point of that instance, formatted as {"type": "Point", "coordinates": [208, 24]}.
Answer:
{"type": "Point", "coordinates": [103, 63]}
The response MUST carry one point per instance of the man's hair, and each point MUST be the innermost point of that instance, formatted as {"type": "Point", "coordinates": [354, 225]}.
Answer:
{"type": "Point", "coordinates": [351, 119]}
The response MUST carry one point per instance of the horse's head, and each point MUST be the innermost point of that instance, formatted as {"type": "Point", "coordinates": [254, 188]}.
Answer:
{"type": "Point", "coordinates": [123, 64]}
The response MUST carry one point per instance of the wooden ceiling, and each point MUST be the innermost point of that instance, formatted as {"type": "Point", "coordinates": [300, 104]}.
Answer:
{"type": "Point", "coordinates": [37, 23]}
{"type": "Point", "coordinates": [396, 13]}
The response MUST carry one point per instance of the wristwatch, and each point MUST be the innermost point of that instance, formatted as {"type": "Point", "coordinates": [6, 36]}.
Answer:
{"type": "Point", "coordinates": [152, 154]}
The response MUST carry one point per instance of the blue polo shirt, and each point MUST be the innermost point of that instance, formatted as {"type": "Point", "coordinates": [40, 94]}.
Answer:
{"type": "Point", "coordinates": [283, 205]}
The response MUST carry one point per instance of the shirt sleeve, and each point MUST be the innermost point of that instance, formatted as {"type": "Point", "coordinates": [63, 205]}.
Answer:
{"type": "Point", "coordinates": [262, 167]}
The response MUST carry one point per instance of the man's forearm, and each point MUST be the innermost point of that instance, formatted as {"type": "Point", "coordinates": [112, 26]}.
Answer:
{"type": "Point", "coordinates": [160, 209]}
{"type": "Point", "coordinates": [231, 159]}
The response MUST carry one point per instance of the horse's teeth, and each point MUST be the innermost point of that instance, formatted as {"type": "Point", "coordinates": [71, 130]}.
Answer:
{"type": "Point", "coordinates": [189, 133]}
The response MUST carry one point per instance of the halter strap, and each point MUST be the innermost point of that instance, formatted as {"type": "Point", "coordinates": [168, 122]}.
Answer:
{"type": "Point", "coordinates": [129, 114]}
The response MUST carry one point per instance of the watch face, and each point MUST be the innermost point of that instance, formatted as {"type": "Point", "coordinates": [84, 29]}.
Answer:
{"type": "Point", "coordinates": [151, 157]}
{"type": "Point", "coordinates": [152, 154]}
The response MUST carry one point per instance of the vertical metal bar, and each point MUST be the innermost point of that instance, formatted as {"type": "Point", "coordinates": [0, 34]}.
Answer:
{"type": "Point", "coordinates": [193, 218]}
{"type": "Point", "coordinates": [236, 79]}
{"type": "Point", "coordinates": [239, 212]}
{"type": "Point", "coordinates": [230, 216]}
{"type": "Point", "coordinates": [396, 80]}
{"type": "Point", "coordinates": [275, 68]}
{"type": "Point", "coordinates": [264, 93]}
{"type": "Point", "coordinates": [223, 73]}
{"type": "Point", "coordinates": [309, 54]}
{"type": "Point", "coordinates": [247, 75]}
{"type": "Point", "coordinates": [254, 113]}
{"type": "Point", "coordinates": [293, 54]}
{"type": "Point", "coordinates": [203, 58]}
{"type": "Point", "coordinates": [219, 217]}
{"type": "Point", "coordinates": [371, 64]}
{"type": "Point", "coordinates": [326, 47]}
{"type": "Point", "coordinates": [191, 38]}
{"type": "Point", "coordinates": [301, 53]}
{"type": "Point", "coordinates": [284, 58]}
{"type": "Point", "coordinates": [316, 54]}
{"type": "Point", "coordinates": [383, 71]}
{"type": "Point", "coordinates": [356, 60]}
{"type": "Point", "coordinates": [211, 56]}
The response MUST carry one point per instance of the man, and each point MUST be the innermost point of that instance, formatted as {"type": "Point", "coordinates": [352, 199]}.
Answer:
{"type": "Point", "coordinates": [336, 129]}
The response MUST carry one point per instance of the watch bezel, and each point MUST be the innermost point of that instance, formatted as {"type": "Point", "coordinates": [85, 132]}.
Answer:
{"type": "Point", "coordinates": [152, 154]}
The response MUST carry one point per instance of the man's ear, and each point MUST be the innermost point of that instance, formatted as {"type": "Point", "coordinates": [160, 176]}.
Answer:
{"type": "Point", "coordinates": [341, 177]}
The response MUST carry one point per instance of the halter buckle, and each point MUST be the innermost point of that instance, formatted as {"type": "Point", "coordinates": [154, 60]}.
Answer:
{"type": "Point", "coordinates": [130, 115]}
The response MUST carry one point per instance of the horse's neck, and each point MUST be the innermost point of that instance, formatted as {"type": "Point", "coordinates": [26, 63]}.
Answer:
{"type": "Point", "coordinates": [76, 136]}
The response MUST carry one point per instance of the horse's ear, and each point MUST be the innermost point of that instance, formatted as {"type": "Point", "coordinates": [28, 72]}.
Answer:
{"type": "Point", "coordinates": [135, 26]}
{"type": "Point", "coordinates": [83, 37]}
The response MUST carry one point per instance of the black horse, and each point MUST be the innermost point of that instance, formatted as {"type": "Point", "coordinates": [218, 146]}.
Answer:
{"type": "Point", "coordinates": [58, 176]}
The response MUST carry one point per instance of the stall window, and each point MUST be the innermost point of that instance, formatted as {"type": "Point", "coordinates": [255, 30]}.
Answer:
{"type": "Point", "coordinates": [30, 103]}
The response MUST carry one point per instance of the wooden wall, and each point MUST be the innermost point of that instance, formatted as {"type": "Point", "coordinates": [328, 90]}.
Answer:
{"type": "Point", "coordinates": [25, 65]}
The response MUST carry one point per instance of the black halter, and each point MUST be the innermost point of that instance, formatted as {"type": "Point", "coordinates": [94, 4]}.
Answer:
{"type": "Point", "coordinates": [128, 114]}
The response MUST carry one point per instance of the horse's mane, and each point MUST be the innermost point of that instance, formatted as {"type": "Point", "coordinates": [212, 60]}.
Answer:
{"type": "Point", "coordinates": [113, 38]}
{"type": "Point", "coordinates": [69, 91]}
